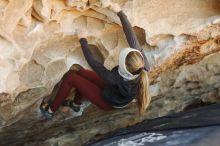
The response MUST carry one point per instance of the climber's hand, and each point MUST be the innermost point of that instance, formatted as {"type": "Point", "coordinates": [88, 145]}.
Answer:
{"type": "Point", "coordinates": [115, 7]}
{"type": "Point", "coordinates": [105, 3]}
{"type": "Point", "coordinates": [81, 33]}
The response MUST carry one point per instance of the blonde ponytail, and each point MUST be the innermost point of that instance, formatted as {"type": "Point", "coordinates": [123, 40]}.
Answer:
{"type": "Point", "coordinates": [133, 63]}
{"type": "Point", "coordinates": [143, 96]}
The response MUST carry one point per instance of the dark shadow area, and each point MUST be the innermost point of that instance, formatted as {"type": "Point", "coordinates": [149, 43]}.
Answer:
{"type": "Point", "coordinates": [194, 127]}
{"type": "Point", "coordinates": [140, 34]}
{"type": "Point", "coordinates": [197, 103]}
{"type": "Point", "coordinates": [97, 53]}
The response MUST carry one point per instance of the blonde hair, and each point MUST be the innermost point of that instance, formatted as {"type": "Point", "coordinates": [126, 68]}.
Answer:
{"type": "Point", "coordinates": [134, 62]}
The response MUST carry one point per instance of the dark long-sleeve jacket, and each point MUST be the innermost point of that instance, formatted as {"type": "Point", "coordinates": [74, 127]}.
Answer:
{"type": "Point", "coordinates": [117, 92]}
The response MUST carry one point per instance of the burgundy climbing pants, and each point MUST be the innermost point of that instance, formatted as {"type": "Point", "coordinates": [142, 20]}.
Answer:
{"type": "Point", "coordinates": [87, 84]}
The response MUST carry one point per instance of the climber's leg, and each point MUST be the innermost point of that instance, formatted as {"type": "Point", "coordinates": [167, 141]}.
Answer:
{"type": "Point", "coordinates": [86, 88]}
{"type": "Point", "coordinates": [92, 76]}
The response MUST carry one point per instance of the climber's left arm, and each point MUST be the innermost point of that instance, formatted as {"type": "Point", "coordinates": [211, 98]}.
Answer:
{"type": "Point", "coordinates": [131, 37]}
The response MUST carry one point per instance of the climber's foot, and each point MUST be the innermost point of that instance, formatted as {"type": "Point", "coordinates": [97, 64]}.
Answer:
{"type": "Point", "coordinates": [45, 110]}
{"type": "Point", "coordinates": [72, 105]}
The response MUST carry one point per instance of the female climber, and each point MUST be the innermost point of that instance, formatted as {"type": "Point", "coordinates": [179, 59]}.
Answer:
{"type": "Point", "coordinates": [104, 88]}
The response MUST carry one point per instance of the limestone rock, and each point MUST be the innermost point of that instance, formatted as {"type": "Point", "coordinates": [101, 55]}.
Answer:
{"type": "Point", "coordinates": [38, 44]}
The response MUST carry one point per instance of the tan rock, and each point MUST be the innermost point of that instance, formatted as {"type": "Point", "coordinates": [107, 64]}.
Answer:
{"type": "Point", "coordinates": [38, 44]}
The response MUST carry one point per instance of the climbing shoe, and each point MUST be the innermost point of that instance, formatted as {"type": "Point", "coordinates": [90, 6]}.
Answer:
{"type": "Point", "coordinates": [44, 108]}
{"type": "Point", "coordinates": [72, 105]}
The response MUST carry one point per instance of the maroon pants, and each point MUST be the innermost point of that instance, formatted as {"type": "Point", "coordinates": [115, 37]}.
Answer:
{"type": "Point", "coordinates": [87, 84]}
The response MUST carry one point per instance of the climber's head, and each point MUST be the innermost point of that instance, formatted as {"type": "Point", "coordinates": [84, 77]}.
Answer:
{"type": "Point", "coordinates": [131, 63]}
{"type": "Point", "coordinates": [134, 62]}
{"type": "Point", "coordinates": [131, 66]}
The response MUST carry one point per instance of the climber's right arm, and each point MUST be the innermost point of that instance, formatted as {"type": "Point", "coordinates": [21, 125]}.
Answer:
{"type": "Point", "coordinates": [129, 32]}
{"type": "Point", "coordinates": [132, 38]}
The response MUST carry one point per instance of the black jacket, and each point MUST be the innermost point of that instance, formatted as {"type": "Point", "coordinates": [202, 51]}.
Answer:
{"type": "Point", "coordinates": [117, 92]}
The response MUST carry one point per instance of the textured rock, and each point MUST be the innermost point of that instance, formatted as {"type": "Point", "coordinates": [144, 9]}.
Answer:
{"type": "Point", "coordinates": [38, 44]}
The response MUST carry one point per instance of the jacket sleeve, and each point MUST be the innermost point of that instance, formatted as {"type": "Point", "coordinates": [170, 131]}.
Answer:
{"type": "Point", "coordinates": [132, 38]}
{"type": "Point", "coordinates": [103, 72]}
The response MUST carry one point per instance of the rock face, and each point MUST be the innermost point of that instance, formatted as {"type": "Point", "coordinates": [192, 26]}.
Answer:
{"type": "Point", "coordinates": [38, 44]}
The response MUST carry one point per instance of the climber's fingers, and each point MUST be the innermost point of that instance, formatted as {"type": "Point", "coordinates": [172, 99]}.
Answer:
{"type": "Point", "coordinates": [81, 33]}
{"type": "Point", "coordinates": [105, 3]}
{"type": "Point", "coordinates": [115, 7]}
